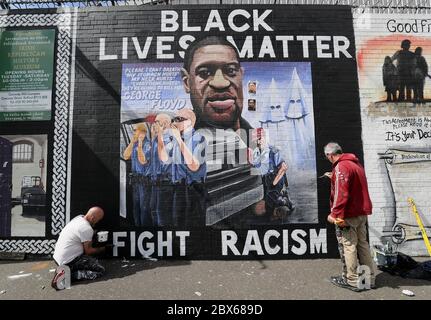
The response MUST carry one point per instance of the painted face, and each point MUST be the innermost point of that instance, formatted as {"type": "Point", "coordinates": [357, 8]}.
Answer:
{"type": "Point", "coordinates": [181, 123]}
{"type": "Point", "coordinates": [215, 85]}
{"type": "Point", "coordinates": [261, 142]}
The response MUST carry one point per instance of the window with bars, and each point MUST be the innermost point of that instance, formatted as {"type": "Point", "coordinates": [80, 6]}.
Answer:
{"type": "Point", "coordinates": [23, 151]}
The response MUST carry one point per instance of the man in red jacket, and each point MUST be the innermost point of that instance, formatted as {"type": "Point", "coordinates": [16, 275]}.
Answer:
{"type": "Point", "coordinates": [350, 205]}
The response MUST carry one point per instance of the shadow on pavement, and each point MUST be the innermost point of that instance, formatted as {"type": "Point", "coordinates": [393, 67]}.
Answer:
{"type": "Point", "coordinates": [117, 268]}
{"type": "Point", "coordinates": [386, 280]}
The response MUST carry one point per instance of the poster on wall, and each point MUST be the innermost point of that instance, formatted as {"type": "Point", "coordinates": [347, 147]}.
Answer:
{"type": "Point", "coordinates": [26, 74]}
{"type": "Point", "coordinates": [223, 115]}
{"type": "Point", "coordinates": [395, 90]}
{"type": "Point", "coordinates": [23, 188]}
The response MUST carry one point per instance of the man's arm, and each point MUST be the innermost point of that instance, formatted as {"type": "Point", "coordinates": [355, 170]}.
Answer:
{"type": "Point", "coordinates": [90, 251]}
{"type": "Point", "coordinates": [161, 150]}
{"type": "Point", "coordinates": [341, 192]}
{"type": "Point", "coordinates": [189, 159]}
{"type": "Point", "coordinates": [141, 154]}
{"type": "Point", "coordinates": [280, 163]}
{"type": "Point", "coordinates": [128, 151]}
{"type": "Point", "coordinates": [280, 173]}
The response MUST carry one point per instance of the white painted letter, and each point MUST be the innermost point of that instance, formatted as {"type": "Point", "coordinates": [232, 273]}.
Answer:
{"type": "Point", "coordinates": [302, 245]}
{"type": "Point", "coordinates": [116, 243]}
{"type": "Point", "coordinates": [167, 243]}
{"type": "Point", "coordinates": [232, 15]}
{"type": "Point", "coordinates": [102, 54]}
{"type": "Point", "coordinates": [261, 20]}
{"type": "Point", "coordinates": [186, 22]}
{"type": "Point", "coordinates": [182, 235]}
{"type": "Point", "coordinates": [284, 40]}
{"type": "Point", "coordinates": [305, 40]}
{"type": "Point", "coordinates": [124, 53]}
{"type": "Point", "coordinates": [268, 248]}
{"type": "Point", "coordinates": [214, 21]}
{"type": "Point", "coordinates": [247, 48]}
{"type": "Point", "coordinates": [341, 44]}
{"type": "Point", "coordinates": [318, 241]}
{"type": "Point", "coordinates": [162, 47]}
{"type": "Point", "coordinates": [252, 242]}
{"type": "Point", "coordinates": [228, 240]}
{"type": "Point", "coordinates": [150, 246]}
{"type": "Point", "coordinates": [142, 53]}
{"type": "Point", "coordinates": [184, 42]}
{"type": "Point", "coordinates": [266, 47]}
{"type": "Point", "coordinates": [323, 46]}
{"type": "Point", "coordinates": [169, 17]}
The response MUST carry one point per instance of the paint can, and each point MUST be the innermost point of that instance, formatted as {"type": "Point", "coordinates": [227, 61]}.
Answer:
{"type": "Point", "coordinates": [102, 236]}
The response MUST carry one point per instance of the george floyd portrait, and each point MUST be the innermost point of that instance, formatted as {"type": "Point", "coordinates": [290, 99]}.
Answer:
{"type": "Point", "coordinates": [213, 76]}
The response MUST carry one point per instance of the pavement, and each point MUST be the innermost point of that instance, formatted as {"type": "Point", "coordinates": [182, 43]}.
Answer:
{"type": "Point", "coordinates": [201, 280]}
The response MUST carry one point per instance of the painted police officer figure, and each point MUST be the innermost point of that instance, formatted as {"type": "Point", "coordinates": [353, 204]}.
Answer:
{"type": "Point", "coordinates": [272, 167]}
{"type": "Point", "coordinates": [189, 171]}
{"type": "Point", "coordinates": [138, 151]}
{"type": "Point", "coordinates": [161, 171]}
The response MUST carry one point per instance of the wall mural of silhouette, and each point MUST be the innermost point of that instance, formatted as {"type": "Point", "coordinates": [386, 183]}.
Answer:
{"type": "Point", "coordinates": [404, 74]}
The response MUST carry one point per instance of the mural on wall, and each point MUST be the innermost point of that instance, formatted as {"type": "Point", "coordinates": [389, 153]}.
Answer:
{"type": "Point", "coordinates": [25, 157]}
{"type": "Point", "coordinates": [396, 117]}
{"type": "Point", "coordinates": [217, 118]}
{"type": "Point", "coordinates": [235, 173]}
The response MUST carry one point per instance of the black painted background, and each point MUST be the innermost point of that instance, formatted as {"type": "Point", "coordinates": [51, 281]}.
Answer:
{"type": "Point", "coordinates": [95, 154]}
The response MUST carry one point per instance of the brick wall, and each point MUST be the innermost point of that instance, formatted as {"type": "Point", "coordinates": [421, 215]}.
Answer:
{"type": "Point", "coordinates": [392, 126]}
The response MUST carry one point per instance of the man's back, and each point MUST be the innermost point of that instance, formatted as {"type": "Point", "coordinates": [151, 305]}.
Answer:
{"type": "Point", "coordinates": [70, 242]}
{"type": "Point", "coordinates": [350, 196]}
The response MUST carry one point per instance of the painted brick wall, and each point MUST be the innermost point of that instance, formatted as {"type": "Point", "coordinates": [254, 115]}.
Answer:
{"type": "Point", "coordinates": [387, 126]}
{"type": "Point", "coordinates": [360, 126]}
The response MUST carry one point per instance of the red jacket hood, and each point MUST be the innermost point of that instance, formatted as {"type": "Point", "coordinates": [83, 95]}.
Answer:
{"type": "Point", "coordinates": [346, 157]}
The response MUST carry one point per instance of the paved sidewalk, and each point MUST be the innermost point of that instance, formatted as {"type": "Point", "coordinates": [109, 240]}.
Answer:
{"type": "Point", "coordinates": [201, 280]}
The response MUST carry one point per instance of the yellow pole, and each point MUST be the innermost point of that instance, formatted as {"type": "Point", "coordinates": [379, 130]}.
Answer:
{"type": "Point", "coordinates": [420, 224]}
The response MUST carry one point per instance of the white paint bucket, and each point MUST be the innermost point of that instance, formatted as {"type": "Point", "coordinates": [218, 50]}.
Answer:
{"type": "Point", "coordinates": [102, 236]}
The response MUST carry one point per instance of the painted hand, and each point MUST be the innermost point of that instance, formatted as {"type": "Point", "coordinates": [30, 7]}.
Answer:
{"type": "Point", "coordinates": [141, 137]}
{"type": "Point", "coordinates": [175, 132]}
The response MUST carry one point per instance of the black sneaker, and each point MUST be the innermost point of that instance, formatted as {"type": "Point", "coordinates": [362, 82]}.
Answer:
{"type": "Point", "coordinates": [342, 283]}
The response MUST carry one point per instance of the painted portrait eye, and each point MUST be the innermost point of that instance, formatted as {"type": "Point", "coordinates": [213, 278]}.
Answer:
{"type": "Point", "coordinates": [298, 101]}
{"type": "Point", "coordinates": [272, 107]}
{"type": "Point", "coordinates": [292, 101]}
{"type": "Point", "coordinates": [278, 106]}
{"type": "Point", "coordinates": [231, 70]}
{"type": "Point", "coordinates": [203, 73]}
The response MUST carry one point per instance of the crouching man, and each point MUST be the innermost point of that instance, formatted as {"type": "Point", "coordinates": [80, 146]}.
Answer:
{"type": "Point", "coordinates": [74, 249]}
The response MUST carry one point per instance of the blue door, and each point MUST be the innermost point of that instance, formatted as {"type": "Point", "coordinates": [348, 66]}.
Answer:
{"type": "Point", "coordinates": [5, 187]}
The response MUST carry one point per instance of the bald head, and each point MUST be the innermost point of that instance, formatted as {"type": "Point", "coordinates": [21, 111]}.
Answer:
{"type": "Point", "coordinates": [94, 215]}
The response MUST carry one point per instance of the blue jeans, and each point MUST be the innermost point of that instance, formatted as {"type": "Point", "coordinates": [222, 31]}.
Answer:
{"type": "Point", "coordinates": [85, 268]}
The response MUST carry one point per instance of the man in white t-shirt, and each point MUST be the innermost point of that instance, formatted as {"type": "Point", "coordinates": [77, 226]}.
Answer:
{"type": "Point", "coordinates": [74, 248]}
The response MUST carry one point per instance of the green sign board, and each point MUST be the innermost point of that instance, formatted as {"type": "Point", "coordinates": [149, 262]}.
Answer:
{"type": "Point", "coordinates": [26, 74]}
